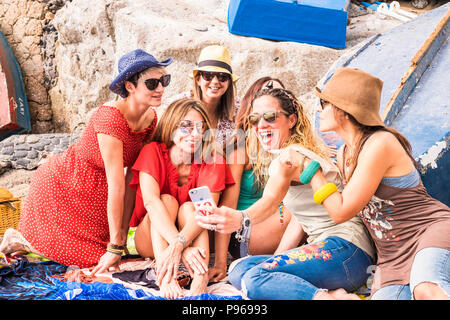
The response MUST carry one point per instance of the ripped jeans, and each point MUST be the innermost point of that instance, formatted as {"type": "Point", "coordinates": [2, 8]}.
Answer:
{"type": "Point", "coordinates": [299, 273]}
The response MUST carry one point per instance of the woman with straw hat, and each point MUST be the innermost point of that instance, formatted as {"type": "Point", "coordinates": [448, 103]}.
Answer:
{"type": "Point", "coordinates": [213, 82]}
{"type": "Point", "coordinates": [79, 205]}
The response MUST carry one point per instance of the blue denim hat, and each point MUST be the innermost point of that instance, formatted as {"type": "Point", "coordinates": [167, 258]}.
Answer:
{"type": "Point", "coordinates": [131, 63]}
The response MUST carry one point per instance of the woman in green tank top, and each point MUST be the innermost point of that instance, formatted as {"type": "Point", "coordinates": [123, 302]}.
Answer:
{"type": "Point", "coordinates": [264, 237]}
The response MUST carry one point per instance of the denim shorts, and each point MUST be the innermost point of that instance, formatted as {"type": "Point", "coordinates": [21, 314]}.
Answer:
{"type": "Point", "coordinates": [429, 265]}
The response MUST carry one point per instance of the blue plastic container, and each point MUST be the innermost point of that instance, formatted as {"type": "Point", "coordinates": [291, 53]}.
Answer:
{"type": "Point", "coordinates": [318, 22]}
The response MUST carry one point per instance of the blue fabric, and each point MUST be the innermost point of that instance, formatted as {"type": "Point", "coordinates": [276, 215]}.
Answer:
{"type": "Point", "coordinates": [300, 272]}
{"type": "Point", "coordinates": [28, 281]}
{"type": "Point", "coordinates": [115, 291]}
{"type": "Point", "coordinates": [35, 281]}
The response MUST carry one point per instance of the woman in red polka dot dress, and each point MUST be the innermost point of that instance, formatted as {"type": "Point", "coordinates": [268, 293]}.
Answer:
{"type": "Point", "coordinates": [79, 204]}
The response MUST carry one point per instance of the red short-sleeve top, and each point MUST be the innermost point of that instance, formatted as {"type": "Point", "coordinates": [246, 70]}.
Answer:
{"type": "Point", "coordinates": [154, 160]}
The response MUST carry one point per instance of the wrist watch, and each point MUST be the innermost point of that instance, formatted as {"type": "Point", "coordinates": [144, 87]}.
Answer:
{"type": "Point", "coordinates": [182, 239]}
{"type": "Point", "coordinates": [245, 223]}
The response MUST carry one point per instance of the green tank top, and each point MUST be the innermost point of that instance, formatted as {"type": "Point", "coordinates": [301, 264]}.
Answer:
{"type": "Point", "coordinates": [248, 194]}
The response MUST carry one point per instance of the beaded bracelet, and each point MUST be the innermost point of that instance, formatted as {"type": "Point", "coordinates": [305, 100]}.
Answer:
{"type": "Point", "coordinates": [309, 172]}
{"type": "Point", "coordinates": [324, 192]}
{"type": "Point", "coordinates": [281, 206]}
{"type": "Point", "coordinates": [116, 249]}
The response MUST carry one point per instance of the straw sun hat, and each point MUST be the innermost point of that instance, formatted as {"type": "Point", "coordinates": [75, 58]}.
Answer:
{"type": "Point", "coordinates": [357, 93]}
{"type": "Point", "coordinates": [215, 58]}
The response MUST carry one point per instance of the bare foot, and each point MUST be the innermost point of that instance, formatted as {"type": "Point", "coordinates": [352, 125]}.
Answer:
{"type": "Point", "coordinates": [171, 290]}
{"type": "Point", "coordinates": [339, 294]}
{"type": "Point", "coordinates": [199, 284]}
{"type": "Point", "coordinates": [13, 242]}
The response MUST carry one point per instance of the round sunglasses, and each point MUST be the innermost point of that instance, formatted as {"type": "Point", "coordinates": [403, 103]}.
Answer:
{"type": "Point", "coordinates": [187, 126]}
{"type": "Point", "coordinates": [221, 76]}
{"type": "Point", "coordinates": [152, 83]}
{"type": "Point", "coordinates": [269, 116]}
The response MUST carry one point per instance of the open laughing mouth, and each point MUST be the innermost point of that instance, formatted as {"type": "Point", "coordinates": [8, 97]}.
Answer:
{"type": "Point", "coordinates": [266, 137]}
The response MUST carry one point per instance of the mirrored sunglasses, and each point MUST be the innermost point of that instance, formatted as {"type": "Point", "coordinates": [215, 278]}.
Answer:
{"type": "Point", "coordinates": [221, 76]}
{"type": "Point", "coordinates": [269, 116]}
{"type": "Point", "coordinates": [187, 126]}
{"type": "Point", "coordinates": [152, 83]}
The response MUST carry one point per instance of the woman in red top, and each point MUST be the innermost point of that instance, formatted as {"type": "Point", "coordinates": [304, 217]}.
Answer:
{"type": "Point", "coordinates": [178, 160]}
{"type": "Point", "coordinates": [78, 207]}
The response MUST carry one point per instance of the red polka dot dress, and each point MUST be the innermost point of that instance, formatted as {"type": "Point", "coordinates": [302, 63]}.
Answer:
{"type": "Point", "coordinates": [64, 215]}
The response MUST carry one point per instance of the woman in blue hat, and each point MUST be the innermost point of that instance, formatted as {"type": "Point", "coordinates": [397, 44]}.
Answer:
{"type": "Point", "coordinates": [79, 204]}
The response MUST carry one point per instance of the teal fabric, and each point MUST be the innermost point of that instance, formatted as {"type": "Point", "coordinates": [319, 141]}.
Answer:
{"type": "Point", "coordinates": [248, 193]}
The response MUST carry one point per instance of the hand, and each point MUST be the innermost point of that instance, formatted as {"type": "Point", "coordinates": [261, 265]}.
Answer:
{"type": "Point", "coordinates": [193, 259]}
{"type": "Point", "coordinates": [225, 220]}
{"type": "Point", "coordinates": [218, 272]}
{"type": "Point", "coordinates": [108, 260]}
{"type": "Point", "coordinates": [167, 264]}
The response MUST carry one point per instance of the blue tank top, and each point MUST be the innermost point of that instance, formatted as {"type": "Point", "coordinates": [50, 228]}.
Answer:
{"type": "Point", "coordinates": [407, 181]}
{"type": "Point", "coordinates": [248, 194]}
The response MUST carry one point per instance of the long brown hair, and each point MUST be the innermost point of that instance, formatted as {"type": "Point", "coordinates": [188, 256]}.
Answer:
{"type": "Point", "coordinates": [366, 132]}
{"type": "Point", "coordinates": [302, 134]}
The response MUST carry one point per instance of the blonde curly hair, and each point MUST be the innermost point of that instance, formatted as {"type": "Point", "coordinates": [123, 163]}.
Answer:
{"type": "Point", "coordinates": [301, 134]}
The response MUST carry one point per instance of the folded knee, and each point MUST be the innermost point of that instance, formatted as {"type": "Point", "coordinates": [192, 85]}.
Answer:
{"type": "Point", "coordinates": [429, 291]}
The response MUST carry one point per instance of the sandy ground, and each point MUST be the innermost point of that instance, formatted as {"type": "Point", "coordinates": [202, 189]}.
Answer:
{"type": "Point", "coordinates": [359, 28]}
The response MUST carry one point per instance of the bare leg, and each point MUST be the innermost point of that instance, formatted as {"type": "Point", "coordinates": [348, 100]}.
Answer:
{"type": "Point", "coordinates": [429, 291]}
{"type": "Point", "coordinates": [169, 289]}
{"type": "Point", "coordinates": [339, 294]}
{"type": "Point", "coordinates": [266, 235]}
{"type": "Point", "coordinates": [186, 219]}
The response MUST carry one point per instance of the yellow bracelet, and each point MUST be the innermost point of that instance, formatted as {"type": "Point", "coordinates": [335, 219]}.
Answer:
{"type": "Point", "coordinates": [324, 192]}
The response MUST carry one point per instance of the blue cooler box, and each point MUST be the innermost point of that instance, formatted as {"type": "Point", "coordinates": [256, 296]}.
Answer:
{"type": "Point", "coordinates": [318, 22]}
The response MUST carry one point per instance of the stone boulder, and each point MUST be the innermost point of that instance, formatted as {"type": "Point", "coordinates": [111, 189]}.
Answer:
{"type": "Point", "coordinates": [92, 35]}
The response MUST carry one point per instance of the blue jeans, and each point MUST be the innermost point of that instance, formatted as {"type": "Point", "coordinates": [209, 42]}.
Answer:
{"type": "Point", "coordinates": [429, 265]}
{"type": "Point", "coordinates": [299, 273]}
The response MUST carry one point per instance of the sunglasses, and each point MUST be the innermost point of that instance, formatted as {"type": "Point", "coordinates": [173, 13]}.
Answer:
{"type": "Point", "coordinates": [269, 116]}
{"type": "Point", "coordinates": [152, 83]}
{"type": "Point", "coordinates": [187, 126]}
{"type": "Point", "coordinates": [221, 76]}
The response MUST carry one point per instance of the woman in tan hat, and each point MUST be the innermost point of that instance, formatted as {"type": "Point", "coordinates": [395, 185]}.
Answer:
{"type": "Point", "coordinates": [411, 230]}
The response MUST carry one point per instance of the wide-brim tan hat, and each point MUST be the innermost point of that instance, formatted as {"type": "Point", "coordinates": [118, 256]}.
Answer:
{"type": "Point", "coordinates": [215, 58]}
{"type": "Point", "coordinates": [357, 93]}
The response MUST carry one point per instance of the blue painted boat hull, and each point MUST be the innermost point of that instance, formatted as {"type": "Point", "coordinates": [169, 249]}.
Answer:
{"type": "Point", "coordinates": [413, 60]}
{"type": "Point", "coordinates": [14, 112]}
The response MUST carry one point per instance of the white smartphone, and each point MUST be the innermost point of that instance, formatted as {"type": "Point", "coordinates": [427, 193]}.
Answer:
{"type": "Point", "coordinates": [202, 199]}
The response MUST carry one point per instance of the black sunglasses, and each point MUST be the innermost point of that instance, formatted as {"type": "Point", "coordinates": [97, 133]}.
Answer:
{"type": "Point", "coordinates": [187, 126]}
{"type": "Point", "coordinates": [323, 103]}
{"type": "Point", "coordinates": [152, 83]}
{"type": "Point", "coordinates": [269, 116]}
{"type": "Point", "coordinates": [221, 76]}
